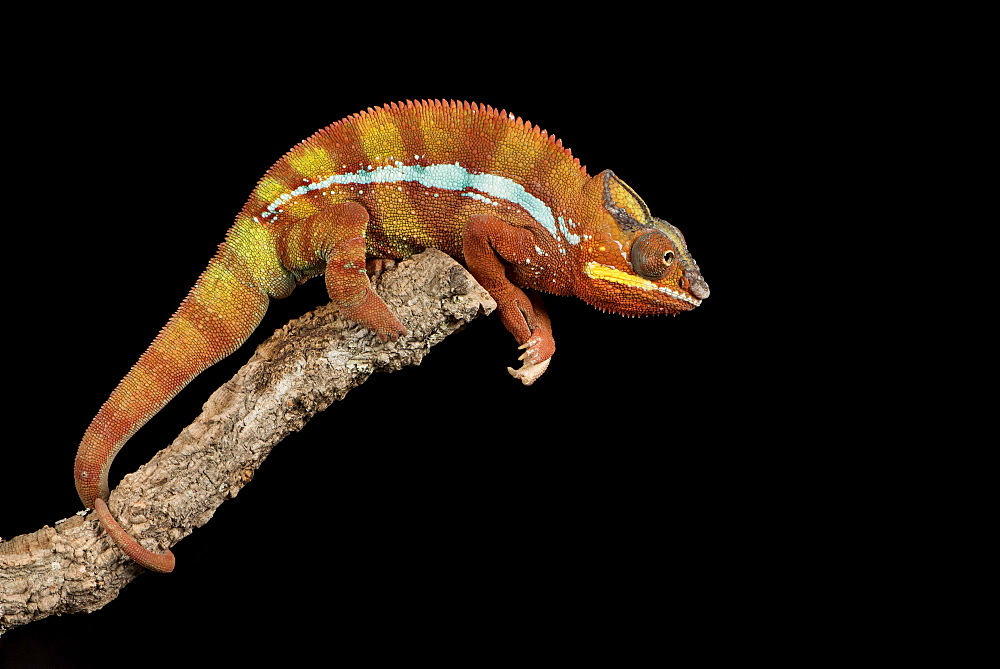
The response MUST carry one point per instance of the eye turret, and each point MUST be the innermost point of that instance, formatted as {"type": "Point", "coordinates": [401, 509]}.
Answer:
{"type": "Point", "coordinates": [652, 255]}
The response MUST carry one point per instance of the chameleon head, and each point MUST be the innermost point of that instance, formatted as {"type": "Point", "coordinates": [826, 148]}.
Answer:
{"type": "Point", "coordinates": [640, 265]}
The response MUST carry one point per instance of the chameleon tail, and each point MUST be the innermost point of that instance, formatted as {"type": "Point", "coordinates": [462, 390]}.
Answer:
{"type": "Point", "coordinates": [217, 316]}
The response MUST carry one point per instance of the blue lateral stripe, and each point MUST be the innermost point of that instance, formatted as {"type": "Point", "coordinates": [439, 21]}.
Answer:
{"type": "Point", "coordinates": [445, 177]}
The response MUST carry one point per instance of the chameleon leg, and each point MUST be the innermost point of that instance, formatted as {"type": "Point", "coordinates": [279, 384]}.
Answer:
{"type": "Point", "coordinates": [335, 237]}
{"type": "Point", "coordinates": [487, 242]}
{"type": "Point", "coordinates": [349, 288]}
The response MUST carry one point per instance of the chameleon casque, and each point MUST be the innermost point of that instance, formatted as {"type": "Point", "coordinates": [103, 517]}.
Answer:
{"type": "Point", "coordinates": [497, 194]}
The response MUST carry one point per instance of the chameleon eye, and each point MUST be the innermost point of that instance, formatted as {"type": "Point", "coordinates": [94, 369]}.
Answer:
{"type": "Point", "coordinates": [652, 255]}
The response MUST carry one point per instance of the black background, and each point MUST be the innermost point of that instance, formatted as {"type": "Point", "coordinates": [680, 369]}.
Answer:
{"type": "Point", "coordinates": [640, 484]}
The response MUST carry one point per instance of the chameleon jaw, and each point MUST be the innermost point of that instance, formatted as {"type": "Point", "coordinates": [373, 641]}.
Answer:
{"type": "Point", "coordinates": [596, 270]}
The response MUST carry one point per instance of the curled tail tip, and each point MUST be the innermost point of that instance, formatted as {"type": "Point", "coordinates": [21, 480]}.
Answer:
{"type": "Point", "coordinates": [159, 562]}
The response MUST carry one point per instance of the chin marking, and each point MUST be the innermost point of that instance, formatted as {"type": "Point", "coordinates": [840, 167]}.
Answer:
{"type": "Point", "coordinates": [596, 270]}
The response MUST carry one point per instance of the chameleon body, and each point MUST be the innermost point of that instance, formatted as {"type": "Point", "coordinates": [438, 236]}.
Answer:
{"type": "Point", "coordinates": [499, 195]}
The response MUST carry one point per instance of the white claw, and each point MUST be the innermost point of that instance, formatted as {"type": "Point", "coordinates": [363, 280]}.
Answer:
{"type": "Point", "coordinates": [529, 373]}
{"type": "Point", "coordinates": [528, 344]}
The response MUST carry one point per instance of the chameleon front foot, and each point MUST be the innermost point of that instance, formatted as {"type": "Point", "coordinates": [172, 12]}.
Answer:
{"type": "Point", "coordinates": [531, 365]}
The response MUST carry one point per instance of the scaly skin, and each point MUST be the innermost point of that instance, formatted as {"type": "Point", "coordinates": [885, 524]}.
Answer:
{"type": "Point", "coordinates": [500, 196]}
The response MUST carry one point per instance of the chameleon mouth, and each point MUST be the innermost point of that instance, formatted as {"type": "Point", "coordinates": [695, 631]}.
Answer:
{"type": "Point", "coordinates": [596, 270]}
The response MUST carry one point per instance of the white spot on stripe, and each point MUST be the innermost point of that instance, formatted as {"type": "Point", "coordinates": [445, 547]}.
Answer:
{"type": "Point", "coordinates": [567, 235]}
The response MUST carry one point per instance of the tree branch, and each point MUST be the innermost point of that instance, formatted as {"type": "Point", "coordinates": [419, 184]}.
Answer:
{"type": "Point", "coordinates": [302, 369]}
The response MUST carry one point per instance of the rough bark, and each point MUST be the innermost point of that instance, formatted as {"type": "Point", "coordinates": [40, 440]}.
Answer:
{"type": "Point", "coordinates": [302, 369]}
